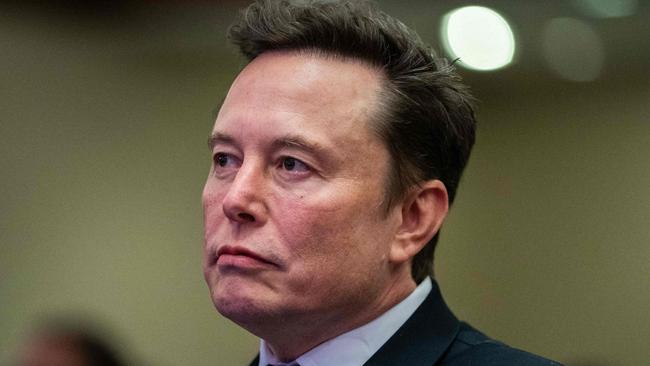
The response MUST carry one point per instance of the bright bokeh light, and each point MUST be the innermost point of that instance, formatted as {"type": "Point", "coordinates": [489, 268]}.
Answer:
{"type": "Point", "coordinates": [480, 37]}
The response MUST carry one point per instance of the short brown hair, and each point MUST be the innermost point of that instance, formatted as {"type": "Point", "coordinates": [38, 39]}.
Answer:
{"type": "Point", "coordinates": [427, 119]}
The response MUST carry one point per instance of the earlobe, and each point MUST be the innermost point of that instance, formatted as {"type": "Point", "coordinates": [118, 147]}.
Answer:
{"type": "Point", "coordinates": [423, 211]}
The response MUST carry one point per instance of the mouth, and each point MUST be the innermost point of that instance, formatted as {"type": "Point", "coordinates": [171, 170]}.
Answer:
{"type": "Point", "coordinates": [240, 257]}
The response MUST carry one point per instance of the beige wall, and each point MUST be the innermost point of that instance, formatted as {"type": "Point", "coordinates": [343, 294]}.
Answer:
{"type": "Point", "coordinates": [103, 157]}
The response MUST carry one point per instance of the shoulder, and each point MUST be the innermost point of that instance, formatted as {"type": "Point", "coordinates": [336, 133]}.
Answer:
{"type": "Point", "coordinates": [472, 347]}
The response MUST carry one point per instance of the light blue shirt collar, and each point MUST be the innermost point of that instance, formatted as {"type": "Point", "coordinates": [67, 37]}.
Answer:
{"type": "Point", "coordinates": [356, 347]}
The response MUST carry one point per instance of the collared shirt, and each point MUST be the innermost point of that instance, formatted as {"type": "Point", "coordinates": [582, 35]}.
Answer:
{"type": "Point", "coordinates": [356, 347]}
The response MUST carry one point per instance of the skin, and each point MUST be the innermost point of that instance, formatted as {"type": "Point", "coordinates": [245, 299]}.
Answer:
{"type": "Point", "coordinates": [295, 198]}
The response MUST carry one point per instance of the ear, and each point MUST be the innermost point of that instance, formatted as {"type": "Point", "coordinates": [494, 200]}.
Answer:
{"type": "Point", "coordinates": [423, 211]}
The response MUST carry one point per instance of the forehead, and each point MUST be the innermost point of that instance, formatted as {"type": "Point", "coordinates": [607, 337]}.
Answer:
{"type": "Point", "coordinates": [306, 92]}
{"type": "Point", "coordinates": [310, 75]}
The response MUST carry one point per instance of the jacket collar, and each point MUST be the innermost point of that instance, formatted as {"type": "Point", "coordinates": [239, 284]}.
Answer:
{"type": "Point", "coordinates": [424, 338]}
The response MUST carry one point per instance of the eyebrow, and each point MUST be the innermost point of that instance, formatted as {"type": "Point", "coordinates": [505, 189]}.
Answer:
{"type": "Point", "coordinates": [298, 143]}
{"type": "Point", "coordinates": [219, 138]}
{"type": "Point", "coordinates": [288, 141]}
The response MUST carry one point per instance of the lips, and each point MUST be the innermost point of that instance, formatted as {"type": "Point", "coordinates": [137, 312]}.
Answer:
{"type": "Point", "coordinates": [235, 256]}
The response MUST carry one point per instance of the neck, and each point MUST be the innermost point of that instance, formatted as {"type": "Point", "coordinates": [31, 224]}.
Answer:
{"type": "Point", "coordinates": [291, 339]}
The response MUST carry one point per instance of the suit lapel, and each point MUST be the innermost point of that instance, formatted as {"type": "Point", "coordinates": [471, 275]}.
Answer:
{"type": "Point", "coordinates": [424, 338]}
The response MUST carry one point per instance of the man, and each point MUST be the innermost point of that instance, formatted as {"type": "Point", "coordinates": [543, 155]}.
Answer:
{"type": "Point", "coordinates": [336, 154]}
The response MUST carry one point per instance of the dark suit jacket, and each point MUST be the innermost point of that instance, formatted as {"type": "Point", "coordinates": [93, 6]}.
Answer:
{"type": "Point", "coordinates": [432, 336]}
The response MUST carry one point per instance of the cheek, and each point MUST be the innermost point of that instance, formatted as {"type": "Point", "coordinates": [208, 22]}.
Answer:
{"type": "Point", "coordinates": [335, 256]}
{"type": "Point", "coordinates": [323, 234]}
{"type": "Point", "coordinates": [213, 216]}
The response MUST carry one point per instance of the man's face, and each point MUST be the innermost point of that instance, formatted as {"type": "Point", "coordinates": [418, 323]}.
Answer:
{"type": "Point", "coordinates": [294, 219]}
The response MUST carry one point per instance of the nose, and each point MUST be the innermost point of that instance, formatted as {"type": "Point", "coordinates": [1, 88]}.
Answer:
{"type": "Point", "coordinates": [244, 201]}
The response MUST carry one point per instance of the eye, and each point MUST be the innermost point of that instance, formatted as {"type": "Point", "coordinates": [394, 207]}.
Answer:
{"type": "Point", "coordinates": [294, 165]}
{"type": "Point", "coordinates": [224, 160]}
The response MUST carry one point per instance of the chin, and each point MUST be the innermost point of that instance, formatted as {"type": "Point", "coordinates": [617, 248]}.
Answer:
{"type": "Point", "coordinates": [241, 305]}
{"type": "Point", "coordinates": [249, 314]}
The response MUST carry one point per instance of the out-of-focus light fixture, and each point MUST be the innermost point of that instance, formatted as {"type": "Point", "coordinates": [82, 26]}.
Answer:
{"type": "Point", "coordinates": [607, 8]}
{"type": "Point", "coordinates": [573, 49]}
{"type": "Point", "coordinates": [480, 37]}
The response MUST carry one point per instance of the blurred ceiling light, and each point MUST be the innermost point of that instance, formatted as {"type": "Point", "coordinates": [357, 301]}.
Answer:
{"type": "Point", "coordinates": [479, 36]}
{"type": "Point", "coordinates": [607, 8]}
{"type": "Point", "coordinates": [573, 49]}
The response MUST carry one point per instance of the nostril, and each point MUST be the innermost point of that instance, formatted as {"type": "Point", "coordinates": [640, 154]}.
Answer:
{"type": "Point", "coordinates": [246, 216]}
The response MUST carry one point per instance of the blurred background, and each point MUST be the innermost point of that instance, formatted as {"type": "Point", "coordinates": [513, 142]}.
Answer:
{"type": "Point", "coordinates": [105, 108]}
